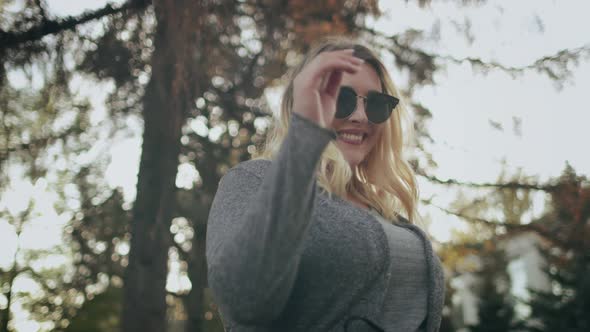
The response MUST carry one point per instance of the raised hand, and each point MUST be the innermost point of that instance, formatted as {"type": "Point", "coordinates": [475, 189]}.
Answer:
{"type": "Point", "coordinates": [316, 87]}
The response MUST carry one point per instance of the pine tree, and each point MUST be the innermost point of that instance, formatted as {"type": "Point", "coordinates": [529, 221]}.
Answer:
{"type": "Point", "coordinates": [566, 306]}
{"type": "Point", "coordinates": [495, 310]}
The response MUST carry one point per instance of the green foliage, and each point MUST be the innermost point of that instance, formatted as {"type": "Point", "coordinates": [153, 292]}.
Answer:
{"type": "Point", "coordinates": [514, 202]}
{"type": "Point", "coordinates": [100, 313]}
{"type": "Point", "coordinates": [92, 242]}
{"type": "Point", "coordinates": [495, 310]}
{"type": "Point", "coordinates": [35, 122]}
{"type": "Point", "coordinates": [447, 321]}
{"type": "Point", "coordinates": [566, 305]}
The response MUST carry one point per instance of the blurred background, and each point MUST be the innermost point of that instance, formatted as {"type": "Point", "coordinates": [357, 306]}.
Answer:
{"type": "Point", "coordinates": [119, 118]}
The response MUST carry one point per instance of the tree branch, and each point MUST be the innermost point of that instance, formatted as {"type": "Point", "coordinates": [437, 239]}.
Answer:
{"type": "Point", "coordinates": [37, 143]}
{"type": "Point", "coordinates": [12, 39]}
{"type": "Point", "coordinates": [535, 227]}
{"type": "Point", "coordinates": [541, 64]}
{"type": "Point", "coordinates": [507, 185]}
{"type": "Point", "coordinates": [42, 10]}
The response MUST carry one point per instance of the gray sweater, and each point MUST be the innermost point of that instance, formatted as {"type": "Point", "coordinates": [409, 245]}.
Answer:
{"type": "Point", "coordinates": [408, 278]}
{"type": "Point", "coordinates": [284, 256]}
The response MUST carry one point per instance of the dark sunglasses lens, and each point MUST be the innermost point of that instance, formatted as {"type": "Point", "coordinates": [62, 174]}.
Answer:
{"type": "Point", "coordinates": [379, 107]}
{"type": "Point", "coordinates": [346, 102]}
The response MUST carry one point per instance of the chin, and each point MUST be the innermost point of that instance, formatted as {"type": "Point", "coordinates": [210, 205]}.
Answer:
{"type": "Point", "coordinates": [352, 156]}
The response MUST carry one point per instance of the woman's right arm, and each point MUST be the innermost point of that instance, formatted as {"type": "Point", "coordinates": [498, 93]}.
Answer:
{"type": "Point", "coordinates": [256, 227]}
{"type": "Point", "coordinates": [257, 223]}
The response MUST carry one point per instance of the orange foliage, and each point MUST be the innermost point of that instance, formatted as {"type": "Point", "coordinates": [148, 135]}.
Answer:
{"type": "Point", "coordinates": [571, 208]}
{"type": "Point", "coordinates": [315, 19]}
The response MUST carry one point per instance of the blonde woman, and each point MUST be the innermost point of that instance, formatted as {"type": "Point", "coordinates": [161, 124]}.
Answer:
{"type": "Point", "coordinates": [310, 235]}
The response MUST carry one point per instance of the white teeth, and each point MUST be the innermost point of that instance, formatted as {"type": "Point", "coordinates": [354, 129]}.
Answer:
{"type": "Point", "coordinates": [352, 137]}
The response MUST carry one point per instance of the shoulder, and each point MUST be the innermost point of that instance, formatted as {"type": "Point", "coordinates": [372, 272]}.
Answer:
{"type": "Point", "coordinates": [256, 167]}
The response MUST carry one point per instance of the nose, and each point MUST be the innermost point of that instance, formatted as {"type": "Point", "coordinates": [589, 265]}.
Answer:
{"type": "Point", "coordinates": [359, 114]}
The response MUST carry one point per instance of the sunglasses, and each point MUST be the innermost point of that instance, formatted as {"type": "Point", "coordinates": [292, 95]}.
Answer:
{"type": "Point", "coordinates": [378, 106]}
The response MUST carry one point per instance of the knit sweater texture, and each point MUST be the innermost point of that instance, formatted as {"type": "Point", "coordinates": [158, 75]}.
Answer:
{"type": "Point", "coordinates": [283, 255]}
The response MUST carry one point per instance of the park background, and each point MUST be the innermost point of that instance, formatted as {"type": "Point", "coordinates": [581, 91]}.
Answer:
{"type": "Point", "coordinates": [119, 118]}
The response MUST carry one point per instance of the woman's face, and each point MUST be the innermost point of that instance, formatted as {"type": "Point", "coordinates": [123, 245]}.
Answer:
{"type": "Point", "coordinates": [356, 135]}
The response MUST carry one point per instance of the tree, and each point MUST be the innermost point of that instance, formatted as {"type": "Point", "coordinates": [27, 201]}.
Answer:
{"type": "Point", "coordinates": [565, 306]}
{"type": "Point", "coordinates": [168, 97]}
{"type": "Point", "coordinates": [8, 277]}
{"type": "Point", "coordinates": [447, 324]}
{"type": "Point", "coordinates": [477, 251]}
{"type": "Point", "coordinates": [101, 313]}
{"type": "Point", "coordinates": [496, 306]}
{"type": "Point", "coordinates": [33, 123]}
{"type": "Point", "coordinates": [168, 100]}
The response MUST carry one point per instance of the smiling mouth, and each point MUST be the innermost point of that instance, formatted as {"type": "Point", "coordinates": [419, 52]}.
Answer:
{"type": "Point", "coordinates": [352, 138]}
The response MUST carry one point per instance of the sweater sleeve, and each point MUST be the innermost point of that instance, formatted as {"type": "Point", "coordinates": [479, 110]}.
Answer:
{"type": "Point", "coordinates": [257, 225]}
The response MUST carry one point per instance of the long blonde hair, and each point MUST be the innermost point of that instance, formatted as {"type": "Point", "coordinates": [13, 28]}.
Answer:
{"type": "Point", "coordinates": [384, 180]}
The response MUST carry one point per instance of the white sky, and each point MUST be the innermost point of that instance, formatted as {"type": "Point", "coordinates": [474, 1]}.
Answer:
{"type": "Point", "coordinates": [554, 122]}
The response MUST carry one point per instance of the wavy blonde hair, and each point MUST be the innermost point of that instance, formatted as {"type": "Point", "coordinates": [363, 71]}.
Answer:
{"type": "Point", "coordinates": [384, 179]}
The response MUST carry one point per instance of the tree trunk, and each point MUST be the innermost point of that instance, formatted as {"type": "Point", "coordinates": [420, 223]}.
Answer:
{"type": "Point", "coordinates": [197, 267]}
{"type": "Point", "coordinates": [197, 273]}
{"type": "Point", "coordinates": [168, 98]}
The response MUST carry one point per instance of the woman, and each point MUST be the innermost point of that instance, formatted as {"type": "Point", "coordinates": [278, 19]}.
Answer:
{"type": "Point", "coordinates": [309, 236]}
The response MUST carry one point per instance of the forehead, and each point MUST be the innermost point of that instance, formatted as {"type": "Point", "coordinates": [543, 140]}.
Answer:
{"type": "Point", "coordinates": [364, 80]}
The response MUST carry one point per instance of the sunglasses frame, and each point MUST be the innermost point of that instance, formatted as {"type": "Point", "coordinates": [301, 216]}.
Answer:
{"type": "Point", "coordinates": [389, 100]}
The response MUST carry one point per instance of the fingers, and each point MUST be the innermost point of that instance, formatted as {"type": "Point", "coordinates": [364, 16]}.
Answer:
{"type": "Point", "coordinates": [325, 63]}
{"type": "Point", "coordinates": [338, 60]}
{"type": "Point", "coordinates": [333, 83]}
{"type": "Point", "coordinates": [316, 87]}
